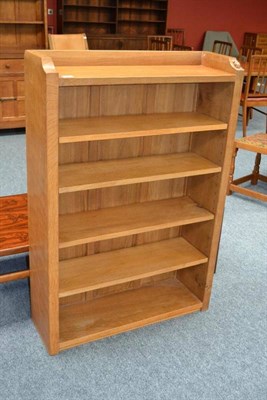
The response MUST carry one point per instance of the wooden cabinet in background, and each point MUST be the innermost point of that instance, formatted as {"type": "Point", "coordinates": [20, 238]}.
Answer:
{"type": "Point", "coordinates": [115, 24]}
{"type": "Point", "coordinates": [12, 113]}
{"type": "Point", "coordinates": [127, 180]}
{"type": "Point", "coordinates": [256, 40]}
{"type": "Point", "coordinates": [117, 42]}
{"type": "Point", "coordinates": [23, 25]}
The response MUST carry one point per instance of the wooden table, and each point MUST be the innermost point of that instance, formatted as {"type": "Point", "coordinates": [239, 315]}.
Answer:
{"type": "Point", "coordinates": [13, 231]}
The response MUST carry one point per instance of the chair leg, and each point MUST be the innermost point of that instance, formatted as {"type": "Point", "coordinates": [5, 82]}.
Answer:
{"type": "Point", "coordinates": [256, 170]}
{"type": "Point", "coordinates": [232, 171]}
{"type": "Point", "coordinates": [245, 120]}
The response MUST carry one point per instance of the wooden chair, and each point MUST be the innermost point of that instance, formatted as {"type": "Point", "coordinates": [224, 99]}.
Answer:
{"type": "Point", "coordinates": [178, 36]}
{"type": "Point", "coordinates": [76, 41]}
{"type": "Point", "coordinates": [256, 143]}
{"type": "Point", "coordinates": [14, 231]}
{"type": "Point", "coordinates": [179, 47]}
{"type": "Point", "coordinates": [254, 93]}
{"type": "Point", "coordinates": [159, 42]}
{"type": "Point", "coordinates": [221, 47]}
{"type": "Point", "coordinates": [245, 53]}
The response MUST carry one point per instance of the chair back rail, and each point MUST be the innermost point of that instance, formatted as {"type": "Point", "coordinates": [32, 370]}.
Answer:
{"type": "Point", "coordinates": [256, 83]}
{"type": "Point", "coordinates": [254, 94]}
{"type": "Point", "coordinates": [159, 42]}
{"type": "Point", "coordinates": [178, 35]}
{"type": "Point", "coordinates": [245, 52]}
{"type": "Point", "coordinates": [222, 47]}
{"type": "Point", "coordinates": [75, 41]}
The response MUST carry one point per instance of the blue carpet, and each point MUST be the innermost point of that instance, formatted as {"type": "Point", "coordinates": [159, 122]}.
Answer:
{"type": "Point", "coordinates": [215, 355]}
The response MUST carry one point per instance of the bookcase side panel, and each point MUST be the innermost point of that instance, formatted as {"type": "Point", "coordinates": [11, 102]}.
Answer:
{"type": "Point", "coordinates": [210, 191]}
{"type": "Point", "coordinates": [42, 167]}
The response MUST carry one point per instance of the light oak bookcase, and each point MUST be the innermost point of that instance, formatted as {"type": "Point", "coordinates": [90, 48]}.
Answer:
{"type": "Point", "coordinates": [128, 160]}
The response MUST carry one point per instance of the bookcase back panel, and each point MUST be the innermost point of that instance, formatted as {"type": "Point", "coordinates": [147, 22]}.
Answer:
{"type": "Point", "coordinates": [86, 13]}
{"type": "Point", "coordinates": [92, 29]}
{"type": "Point", "coordinates": [118, 243]}
{"type": "Point", "coordinates": [123, 148]}
{"type": "Point", "coordinates": [21, 10]}
{"type": "Point", "coordinates": [98, 293]}
{"type": "Point", "coordinates": [18, 36]}
{"type": "Point", "coordinates": [120, 195]}
{"type": "Point", "coordinates": [126, 99]}
{"type": "Point", "coordinates": [127, 286]}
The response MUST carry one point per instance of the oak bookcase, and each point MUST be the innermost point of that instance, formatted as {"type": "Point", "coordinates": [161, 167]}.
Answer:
{"type": "Point", "coordinates": [128, 161]}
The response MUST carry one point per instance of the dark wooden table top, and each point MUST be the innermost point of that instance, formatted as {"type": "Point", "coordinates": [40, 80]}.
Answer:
{"type": "Point", "coordinates": [13, 224]}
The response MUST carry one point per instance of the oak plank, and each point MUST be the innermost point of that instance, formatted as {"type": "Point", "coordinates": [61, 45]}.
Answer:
{"type": "Point", "coordinates": [97, 271]}
{"type": "Point", "coordinates": [112, 222]}
{"type": "Point", "coordinates": [121, 312]}
{"type": "Point", "coordinates": [125, 126]}
{"type": "Point", "coordinates": [100, 174]}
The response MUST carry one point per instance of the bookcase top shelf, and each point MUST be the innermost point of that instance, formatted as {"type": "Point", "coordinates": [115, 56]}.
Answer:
{"type": "Point", "coordinates": [79, 68]}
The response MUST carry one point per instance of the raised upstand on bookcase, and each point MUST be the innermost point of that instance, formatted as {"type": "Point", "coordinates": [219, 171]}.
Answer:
{"type": "Point", "coordinates": [128, 162]}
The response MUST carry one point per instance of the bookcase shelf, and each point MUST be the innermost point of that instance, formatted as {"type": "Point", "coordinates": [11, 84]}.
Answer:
{"type": "Point", "coordinates": [124, 311]}
{"type": "Point", "coordinates": [126, 186]}
{"type": "Point", "coordinates": [100, 174]}
{"type": "Point", "coordinates": [109, 223]}
{"type": "Point", "coordinates": [83, 274]}
{"type": "Point", "coordinates": [125, 126]}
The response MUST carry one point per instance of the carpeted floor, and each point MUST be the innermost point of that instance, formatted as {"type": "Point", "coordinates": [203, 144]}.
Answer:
{"type": "Point", "coordinates": [215, 355]}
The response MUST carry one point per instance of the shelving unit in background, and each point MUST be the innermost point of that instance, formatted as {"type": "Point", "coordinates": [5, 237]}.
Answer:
{"type": "Point", "coordinates": [256, 40]}
{"type": "Point", "coordinates": [23, 25]}
{"type": "Point", "coordinates": [126, 186]}
{"type": "Point", "coordinates": [115, 24]}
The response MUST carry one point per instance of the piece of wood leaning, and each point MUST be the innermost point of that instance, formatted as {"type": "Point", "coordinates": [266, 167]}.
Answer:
{"type": "Point", "coordinates": [126, 197]}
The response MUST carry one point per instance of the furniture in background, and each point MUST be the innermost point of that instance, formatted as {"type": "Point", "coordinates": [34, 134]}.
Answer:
{"type": "Point", "coordinates": [245, 53]}
{"type": "Point", "coordinates": [256, 143]}
{"type": "Point", "coordinates": [159, 42]}
{"type": "Point", "coordinates": [254, 94]}
{"type": "Point", "coordinates": [116, 24]}
{"type": "Point", "coordinates": [23, 25]}
{"type": "Point", "coordinates": [178, 39]}
{"type": "Point", "coordinates": [222, 47]}
{"type": "Point", "coordinates": [211, 36]}
{"type": "Point", "coordinates": [178, 36]}
{"type": "Point", "coordinates": [13, 231]}
{"type": "Point", "coordinates": [128, 173]}
{"type": "Point", "coordinates": [256, 40]}
{"type": "Point", "coordinates": [180, 47]}
{"type": "Point", "coordinates": [76, 41]}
